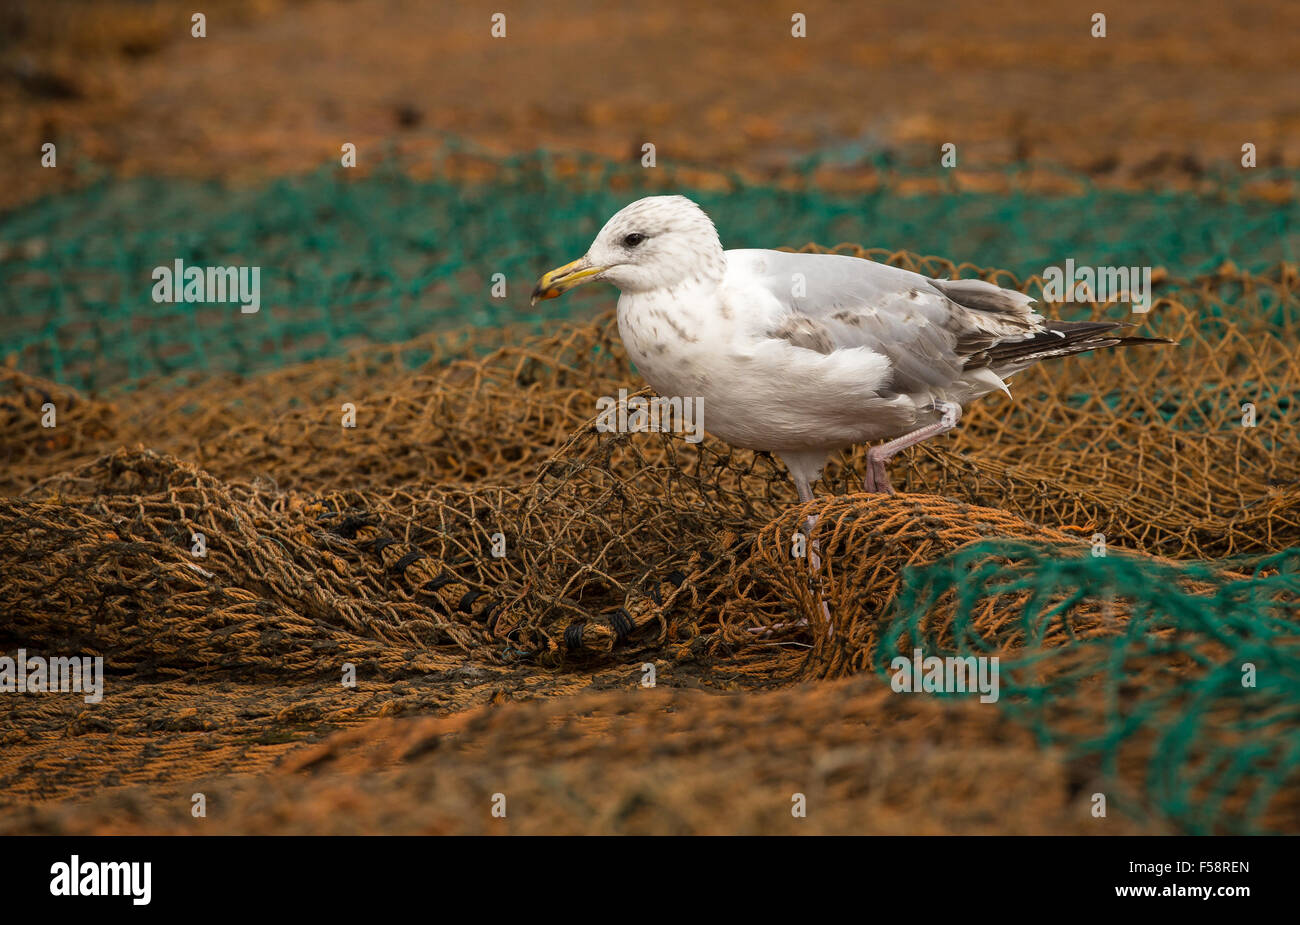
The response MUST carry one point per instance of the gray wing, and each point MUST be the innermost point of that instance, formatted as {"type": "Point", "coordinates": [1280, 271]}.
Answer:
{"type": "Point", "coordinates": [933, 331]}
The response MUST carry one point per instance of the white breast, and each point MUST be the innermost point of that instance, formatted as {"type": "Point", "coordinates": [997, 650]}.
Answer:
{"type": "Point", "coordinates": [758, 392]}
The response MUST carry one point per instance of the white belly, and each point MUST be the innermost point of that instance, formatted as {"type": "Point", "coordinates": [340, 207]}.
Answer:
{"type": "Point", "coordinates": [757, 392]}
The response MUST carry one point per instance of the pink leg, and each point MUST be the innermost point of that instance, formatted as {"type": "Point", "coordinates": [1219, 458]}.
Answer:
{"type": "Point", "coordinates": [814, 563]}
{"type": "Point", "coordinates": [814, 548]}
{"type": "Point", "coordinates": [877, 477]}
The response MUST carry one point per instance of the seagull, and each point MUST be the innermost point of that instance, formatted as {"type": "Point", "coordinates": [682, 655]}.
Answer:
{"type": "Point", "coordinates": [805, 355]}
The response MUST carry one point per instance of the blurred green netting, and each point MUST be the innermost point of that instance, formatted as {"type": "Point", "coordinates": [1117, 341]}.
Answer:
{"type": "Point", "coordinates": [1201, 684]}
{"type": "Point", "coordinates": [387, 256]}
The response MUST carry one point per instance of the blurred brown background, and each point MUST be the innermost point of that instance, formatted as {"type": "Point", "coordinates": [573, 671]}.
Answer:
{"type": "Point", "coordinates": [277, 85]}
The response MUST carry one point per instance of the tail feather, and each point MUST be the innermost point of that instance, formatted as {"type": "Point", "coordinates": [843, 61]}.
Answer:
{"type": "Point", "coordinates": [1061, 339]}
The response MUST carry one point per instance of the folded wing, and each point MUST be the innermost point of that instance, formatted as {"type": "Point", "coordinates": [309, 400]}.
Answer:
{"type": "Point", "coordinates": [936, 333]}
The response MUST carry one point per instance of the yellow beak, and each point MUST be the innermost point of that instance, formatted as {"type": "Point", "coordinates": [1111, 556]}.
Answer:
{"type": "Point", "coordinates": [562, 279]}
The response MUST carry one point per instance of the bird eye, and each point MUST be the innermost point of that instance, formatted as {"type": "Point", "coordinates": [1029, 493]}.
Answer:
{"type": "Point", "coordinates": [634, 239]}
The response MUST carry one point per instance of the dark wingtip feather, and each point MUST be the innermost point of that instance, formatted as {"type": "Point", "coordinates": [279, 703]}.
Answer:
{"type": "Point", "coordinates": [1061, 339]}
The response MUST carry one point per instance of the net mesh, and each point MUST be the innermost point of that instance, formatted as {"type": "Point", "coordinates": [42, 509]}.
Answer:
{"type": "Point", "coordinates": [347, 259]}
{"type": "Point", "coordinates": [474, 539]}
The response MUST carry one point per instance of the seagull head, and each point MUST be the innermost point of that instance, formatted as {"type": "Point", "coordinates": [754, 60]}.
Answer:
{"type": "Point", "coordinates": [655, 243]}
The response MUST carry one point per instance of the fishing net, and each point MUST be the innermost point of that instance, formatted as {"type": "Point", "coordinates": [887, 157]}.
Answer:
{"type": "Point", "coordinates": [348, 258]}
{"type": "Point", "coordinates": [1123, 538]}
